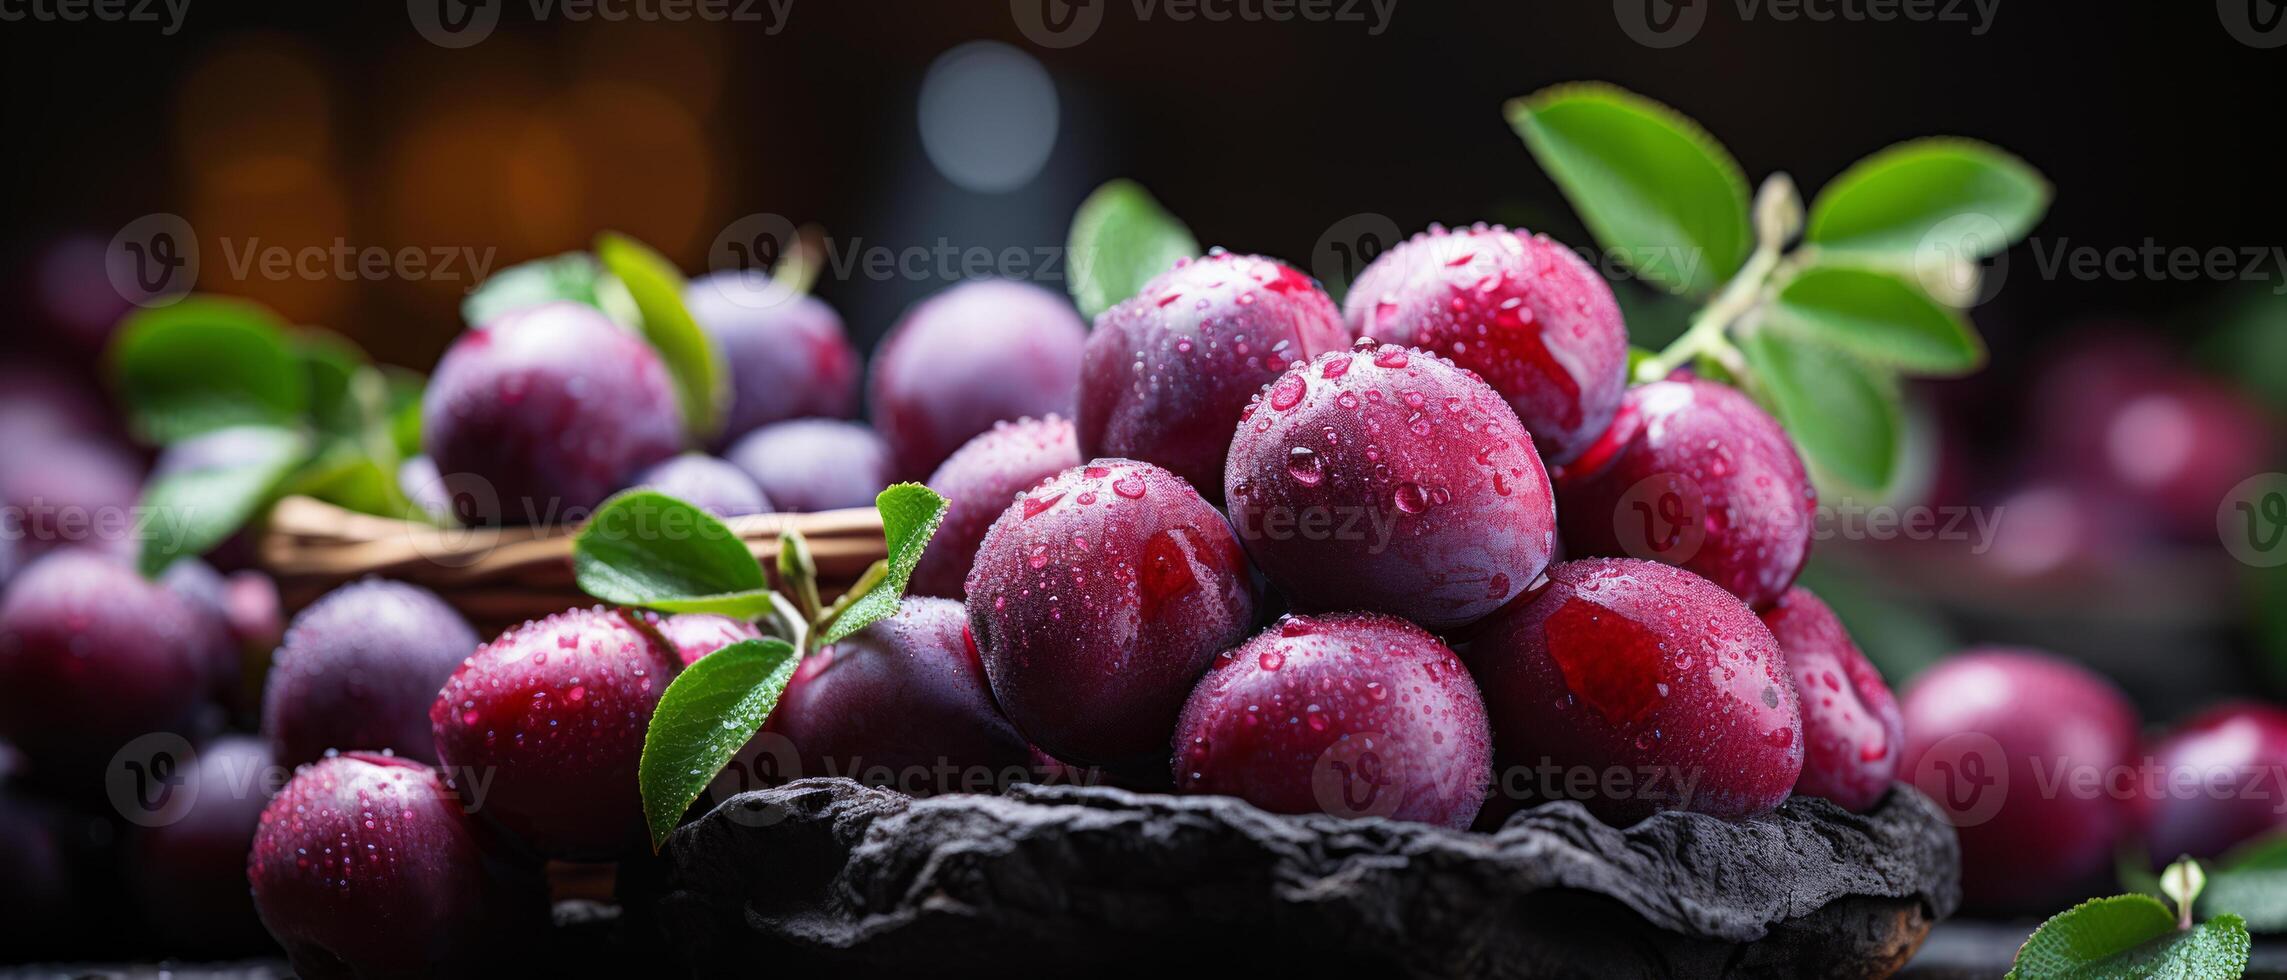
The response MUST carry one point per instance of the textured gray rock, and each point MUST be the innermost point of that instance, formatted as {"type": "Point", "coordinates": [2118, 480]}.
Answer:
{"type": "Point", "coordinates": [827, 873]}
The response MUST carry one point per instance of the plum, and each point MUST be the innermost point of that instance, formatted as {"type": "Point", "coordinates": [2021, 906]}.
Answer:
{"type": "Point", "coordinates": [63, 493]}
{"type": "Point", "coordinates": [189, 871]}
{"type": "Point", "coordinates": [40, 406]}
{"type": "Point", "coordinates": [547, 721]}
{"type": "Point", "coordinates": [710, 484]}
{"type": "Point", "coordinates": [984, 351]}
{"type": "Point", "coordinates": [2181, 448]}
{"type": "Point", "coordinates": [545, 411]}
{"type": "Point", "coordinates": [2215, 782]}
{"type": "Point", "coordinates": [2018, 747]}
{"type": "Point", "coordinates": [977, 482]}
{"type": "Point", "coordinates": [1167, 373]}
{"type": "Point", "coordinates": [809, 465]}
{"type": "Point", "coordinates": [38, 898]}
{"type": "Point", "coordinates": [367, 866]}
{"type": "Point", "coordinates": [1353, 714]}
{"type": "Point", "coordinates": [92, 655]}
{"type": "Point", "coordinates": [902, 703]}
{"type": "Point", "coordinates": [1852, 734]}
{"type": "Point", "coordinates": [1692, 473]}
{"type": "Point", "coordinates": [787, 355]}
{"type": "Point", "coordinates": [1389, 480]}
{"type": "Point", "coordinates": [1520, 310]}
{"type": "Point", "coordinates": [694, 635]}
{"type": "Point", "coordinates": [1096, 601]}
{"type": "Point", "coordinates": [1637, 687]}
{"type": "Point", "coordinates": [359, 669]}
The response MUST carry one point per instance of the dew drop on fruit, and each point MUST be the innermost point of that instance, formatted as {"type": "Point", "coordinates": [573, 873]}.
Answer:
{"type": "Point", "coordinates": [1271, 660]}
{"type": "Point", "coordinates": [1410, 498]}
{"type": "Point", "coordinates": [1305, 466]}
{"type": "Point", "coordinates": [1395, 357]}
{"type": "Point", "coordinates": [1288, 392]}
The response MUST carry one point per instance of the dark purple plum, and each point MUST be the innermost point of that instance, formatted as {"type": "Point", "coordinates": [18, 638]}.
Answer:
{"type": "Point", "coordinates": [208, 595]}
{"type": "Point", "coordinates": [2215, 782]}
{"type": "Point", "coordinates": [978, 482]}
{"type": "Point", "coordinates": [367, 866]}
{"type": "Point", "coordinates": [1523, 312]}
{"type": "Point", "coordinates": [1852, 734]}
{"type": "Point", "coordinates": [38, 898]}
{"type": "Point", "coordinates": [788, 355]}
{"type": "Point", "coordinates": [189, 871]}
{"type": "Point", "coordinates": [1168, 372]}
{"type": "Point", "coordinates": [710, 484]}
{"type": "Point", "coordinates": [551, 717]}
{"type": "Point", "coordinates": [540, 414]}
{"type": "Point", "coordinates": [1389, 480]}
{"type": "Point", "coordinates": [359, 669]}
{"type": "Point", "coordinates": [91, 656]}
{"type": "Point", "coordinates": [902, 704]}
{"type": "Point", "coordinates": [39, 406]}
{"type": "Point", "coordinates": [1096, 601]}
{"type": "Point", "coordinates": [64, 493]}
{"type": "Point", "coordinates": [1353, 714]}
{"type": "Point", "coordinates": [1986, 730]}
{"type": "Point", "coordinates": [1693, 474]}
{"type": "Point", "coordinates": [1649, 686]}
{"type": "Point", "coordinates": [809, 465]}
{"type": "Point", "coordinates": [985, 351]}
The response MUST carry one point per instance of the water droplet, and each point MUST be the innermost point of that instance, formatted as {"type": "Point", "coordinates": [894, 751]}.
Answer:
{"type": "Point", "coordinates": [1288, 391]}
{"type": "Point", "coordinates": [1410, 498]}
{"type": "Point", "coordinates": [1305, 466]}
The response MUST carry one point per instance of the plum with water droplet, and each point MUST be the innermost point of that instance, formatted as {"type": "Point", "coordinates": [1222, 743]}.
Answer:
{"type": "Point", "coordinates": [902, 703]}
{"type": "Point", "coordinates": [694, 635]}
{"type": "Point", "coordinates": [788, 356]}
{"type": "Point", "coordinates": [712, 485]}
{"type": "Point", "coordinates": [367, 866]}
{"type": "Point", "coordinates": [1524, 312]}
{"type": "Point", "coordinates": [984, 351]}
{"type": "Point", "coordinates": [1168, 372]}
{"type": "Point", "coordinates": [1386, 479]}
{"type": "Point", "coordinates": [1353, 714]}
{"type": "Point", "coordinates": [1096, 600]}
{"type": "Point", "coordinates": [1638, 687]}
{"type": "Point", "coordinates": [2215, 782]}
{"type": "Point", "coordinates": [1852, 734]}
{"type": "Point", "coordinates": [541, 729]}
{"type": "Point", "coordinates": [977, 483]}
{"type": "Point", "coordinates": [359, 669]}
{"type": "Point", "coordinates": [1693, 474]}
{"type": "Point", "coordinates": [2019, 747]}
{"type": "Point", "coordinates": [809, 465]}
{"type": "Point", "coordinates": [540, 414]}
{"type": "Point", "coordinates": [91, 656]}
{"type": "Point", "coordinates": [189, 870]}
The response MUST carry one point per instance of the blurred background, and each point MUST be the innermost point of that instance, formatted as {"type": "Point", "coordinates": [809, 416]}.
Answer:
{"type": "Point", "coordinates": [2144, 313]}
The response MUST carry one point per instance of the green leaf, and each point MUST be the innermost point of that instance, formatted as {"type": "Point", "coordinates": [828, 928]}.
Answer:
{"type": "Point", "coordinates": [644, 548]}
{"type": "Point", "coordinates": [910, 513]}
{"type": "Point", "coordinates": [196, 508]}
{"type": "Point", "coordinates": [1121, 237]}
{"type": "Point", "coordinates": [2251, 882]}
{"type": "Point", "coordinates": [572, 276]}
{"type": "Point", "coordinates": [404, 400]}
{"type": "Point", "coordinates": [704, 717]}
{"type": "Point", "coordinates": [2131, 936]}
{"type": "Point", "coordinates": [344, 475]}
{"type": "Point", "coordinates": [1648, 182]}
{"type": "Point", "coordinates": [1843, 414]}
{"type": "Point", "coordinates": [1879, 317]}
{"type": "Point", "coordinates": [657, 289]}
{"type": "Point", "coordinates": [1978, 197]}
{"type": "Point", "coordinates": [330, 361]}
{"type": "Point", "coordinates": [206, 363]}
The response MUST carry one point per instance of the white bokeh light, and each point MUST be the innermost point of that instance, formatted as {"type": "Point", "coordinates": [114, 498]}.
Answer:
{"type": "Point", "coordinates": [988, 116]}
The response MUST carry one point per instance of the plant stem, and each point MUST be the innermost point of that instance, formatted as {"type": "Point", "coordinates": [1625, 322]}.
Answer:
{"type": "Point", "coordinates": [1711, 326]}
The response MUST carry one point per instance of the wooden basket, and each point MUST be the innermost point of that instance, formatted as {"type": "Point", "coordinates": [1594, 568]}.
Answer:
{"type": "Point", "coordinates": [500, 577]}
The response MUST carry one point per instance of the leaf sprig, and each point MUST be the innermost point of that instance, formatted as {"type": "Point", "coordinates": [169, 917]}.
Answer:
{"type": "Point", "coordinates": [2138, 936]}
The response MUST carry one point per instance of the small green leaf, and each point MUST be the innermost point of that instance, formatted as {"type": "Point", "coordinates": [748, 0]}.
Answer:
{"type": "Point", "coordinates": [572, 276]}
{"type": "Point", "coordinates": [343, 475]}
{"type": "Point", "coordinates": [644, 548]}
{"type": "Point", "coordinates": [2251, 882]}
{"type": "Point", "coordinates": [206, 363]}
{"type": "Point", "coordinates": [1636, 358]}
{"type": "Point", "coordinates": [704, 717]}
{"type": "Point", "coordinates": [1879, 317]}
{"type": "Point", "coordinates": [194, 509]}
{"type": "Point", "coordinates": [1843, 414]}
{"type": "Point", "coordinates": [910, 513]}
{"type": "Point", "coordinates": [329, 361]}
{"type": "Point", "coordinates": [1979, 198]}
{"type": "Point", "coordinates": [2131, 936]}
{"type": "Point", "coordinates": [404, 402]}
{"type": "Point", "coordinates": [657, 289]}
{"type": "Point", "coordinates": [1648, 182]}
{"type": "Point", "coordinates": [1121, 237]}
